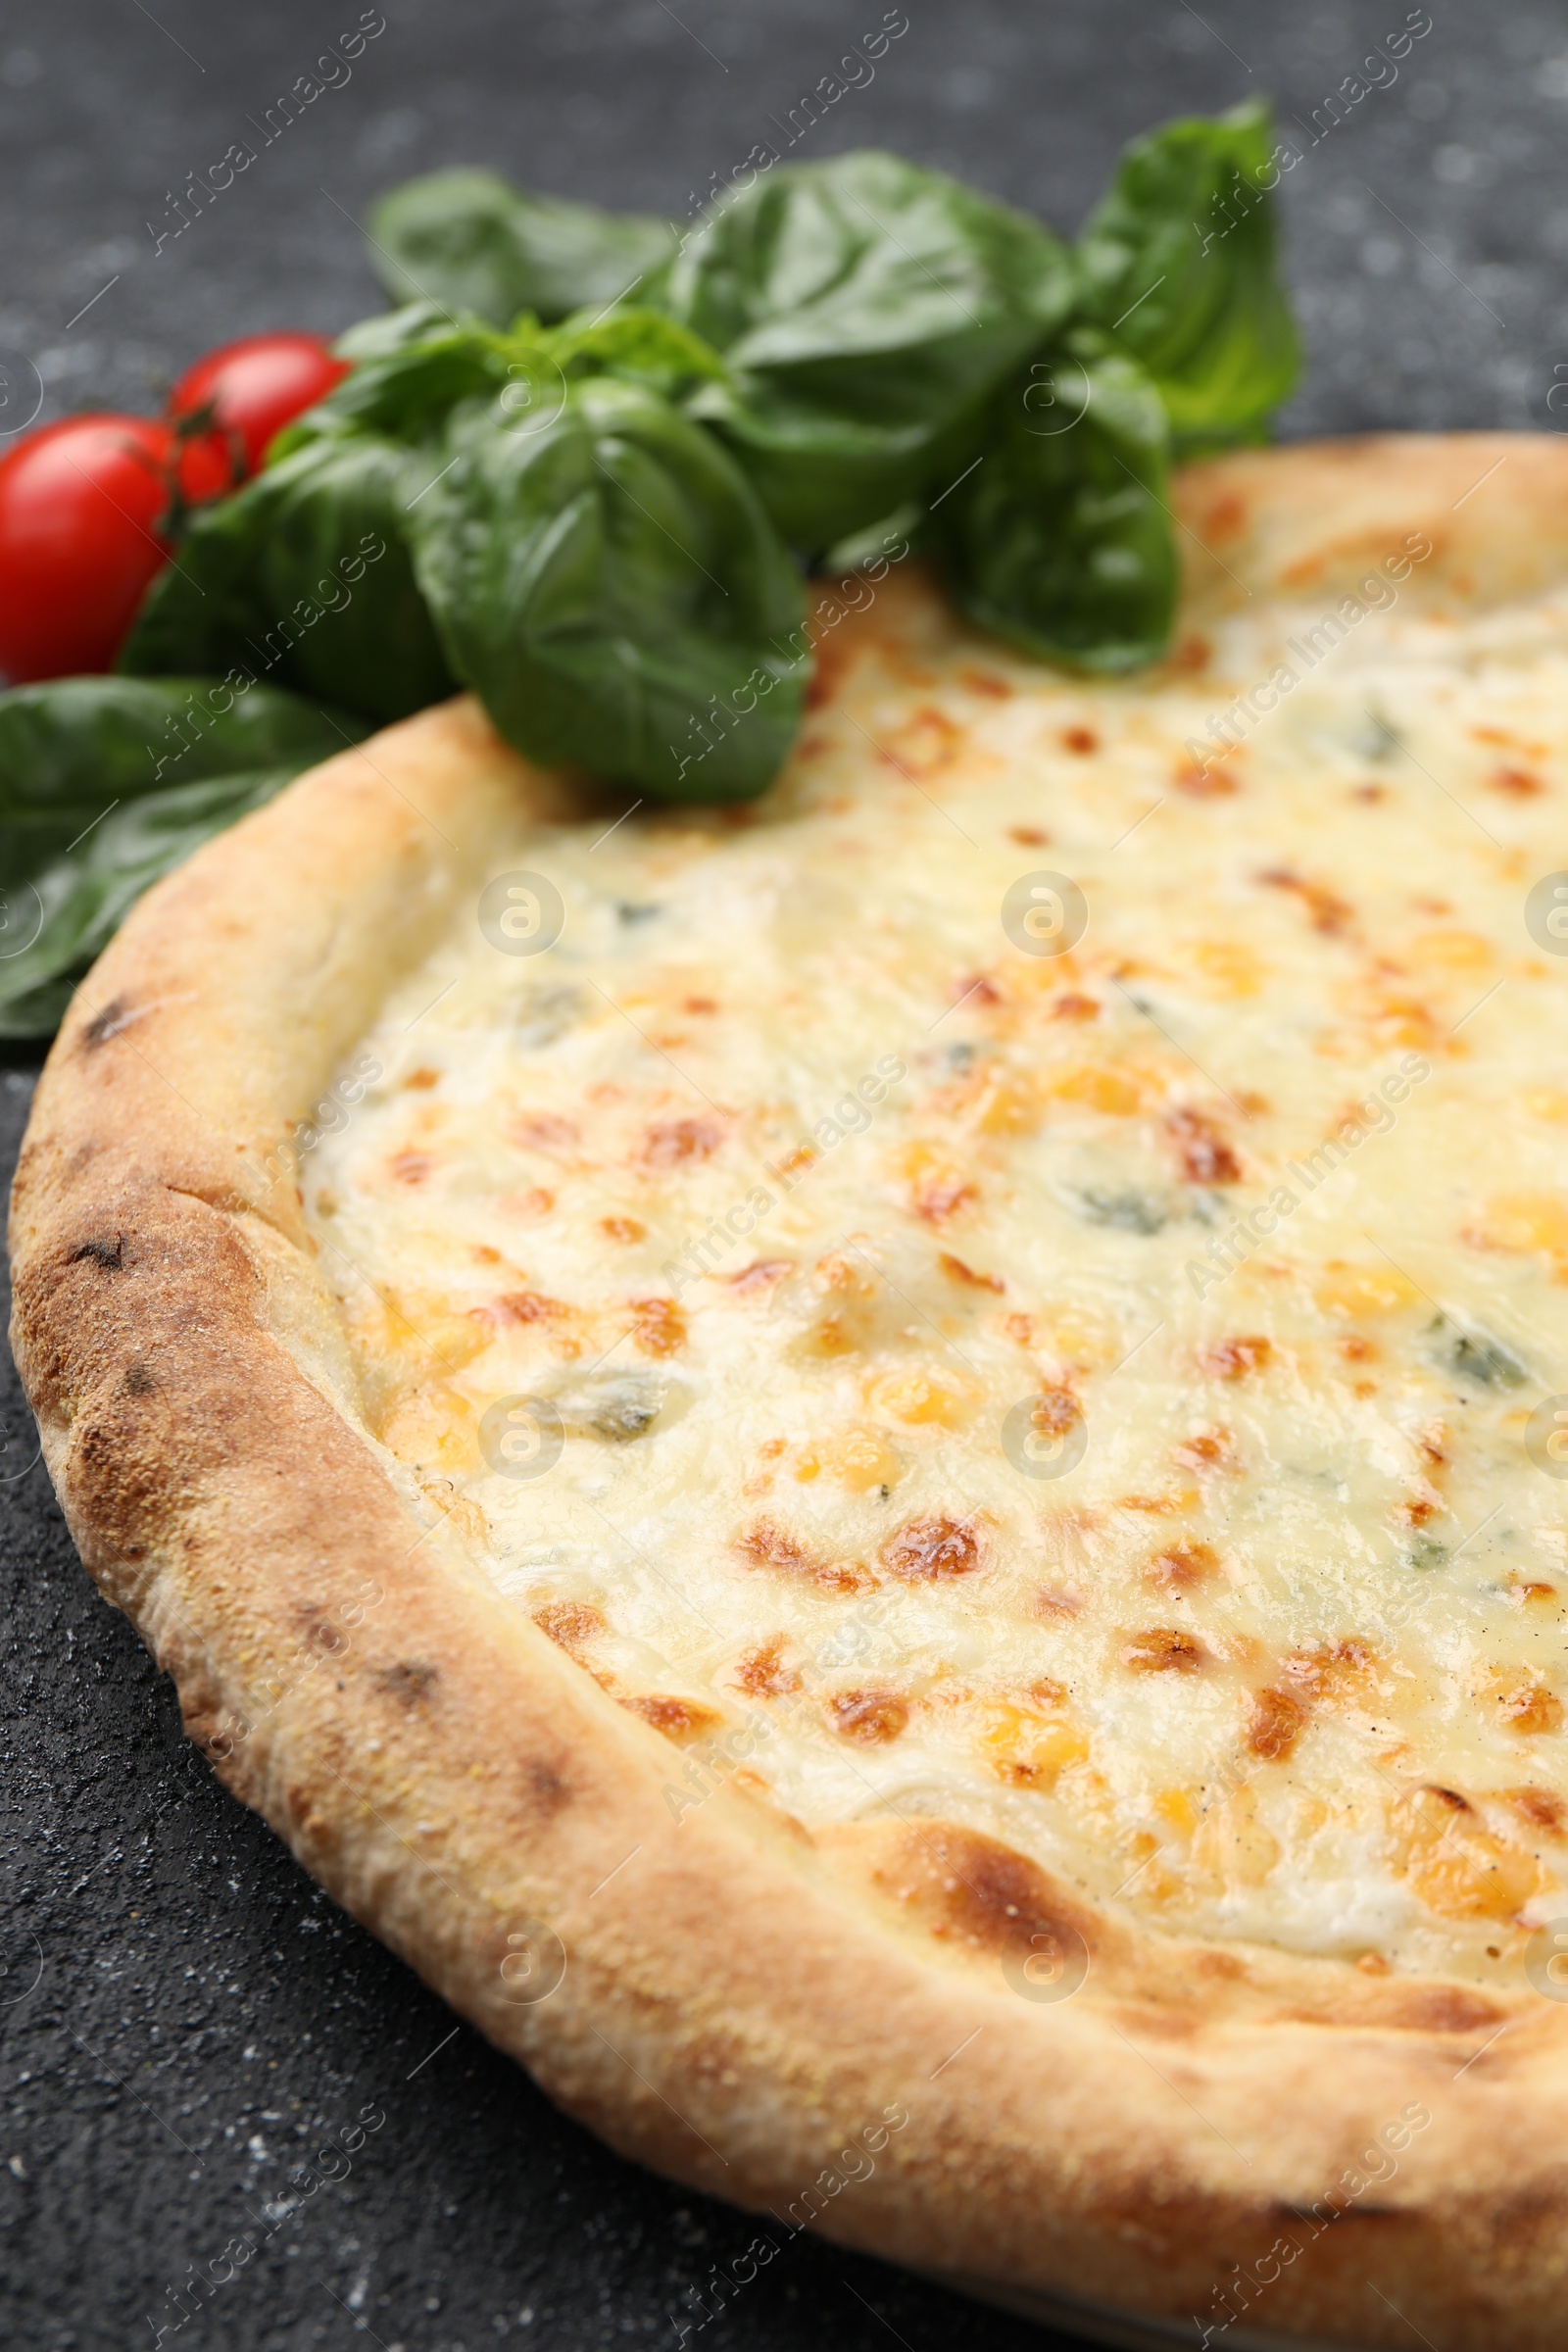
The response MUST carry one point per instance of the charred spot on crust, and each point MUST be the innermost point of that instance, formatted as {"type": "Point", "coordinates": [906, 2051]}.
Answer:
{"type": "Point", "coordinates": [107, 1254]}
{"type": "Point", "coordinates": [1528, 2218]}
{"type": "Point", "coordinates": [971, 1888]}
{"type": "Point", "coordinates": [926, 1550]}
{"type": "Point", "coordinates": [409, 1681]}
{"type": "Point", "coordinates": [109, 1023]}
{"type": "Point", "coordinates": [139, 1382]}
{"type": "Point", "coordinates": [546, 1786]}
{"type": "Point", "coordinates": [317, 1628]}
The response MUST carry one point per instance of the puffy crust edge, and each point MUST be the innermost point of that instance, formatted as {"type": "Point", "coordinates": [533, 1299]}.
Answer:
{"type": "Point", "coordinates": [736, 2004]}
{"type": "Point", "coordinates": [1304, 523]}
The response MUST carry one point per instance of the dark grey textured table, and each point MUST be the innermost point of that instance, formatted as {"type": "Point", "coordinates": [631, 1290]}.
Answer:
{"type": "Point", "coordinates": [182, 2015]}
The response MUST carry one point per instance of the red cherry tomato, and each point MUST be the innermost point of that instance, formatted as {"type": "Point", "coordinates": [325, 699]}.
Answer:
{"type": "Point", "coordinates": [83, 507]}
{"type": "Point", "coordinates": [255, 387]}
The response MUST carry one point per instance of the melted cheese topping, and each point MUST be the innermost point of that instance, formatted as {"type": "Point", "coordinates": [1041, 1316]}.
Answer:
{"type": "Point", "coordinates": [1089, 1395]}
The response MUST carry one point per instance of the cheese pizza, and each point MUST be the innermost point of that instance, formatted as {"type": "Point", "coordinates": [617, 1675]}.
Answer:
{"type": "Point", "coordinates": [884, 1470]}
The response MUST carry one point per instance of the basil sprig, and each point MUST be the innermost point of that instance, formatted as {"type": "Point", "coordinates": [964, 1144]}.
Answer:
{"type": "Point", "coordinates": [582, 469]}
{"type": "Point", "coordinates": [556, 531]}
{"type": "Point", "coordinates": [593, 457]}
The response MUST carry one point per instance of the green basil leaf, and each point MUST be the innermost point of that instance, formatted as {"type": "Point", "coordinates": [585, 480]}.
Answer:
{"type": "Point", "coordinates": [866, 257]}
{"type": "Point", "coordinates": [867, 309]}
{"type": "Point", "coordinates": [1179, 260]}
{"type": "Point", "coordinates": [468, 239]}
{"type": "Point", "coordinates": [612, 589]}
{"type": "Point", "coordinates": [304, 577]}
{"type": "Point", "coordinates": [824, 472]}
{"type": "Point", "coordinates": [1060, 540]}
{"type": "Point", "coordinates": [71, 749]}
{"type": "Point", "coordinates": [106, 783]}
{"type": "Point", "coordinates": [405, 393]}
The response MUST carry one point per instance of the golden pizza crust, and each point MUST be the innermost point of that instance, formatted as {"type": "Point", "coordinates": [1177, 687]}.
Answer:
{"type": "Point", "coordinates": [760, 2012]}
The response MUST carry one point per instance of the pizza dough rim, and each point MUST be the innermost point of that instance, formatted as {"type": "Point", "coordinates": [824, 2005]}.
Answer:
{"type": "Point", "coordinates": [739, 2003]}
